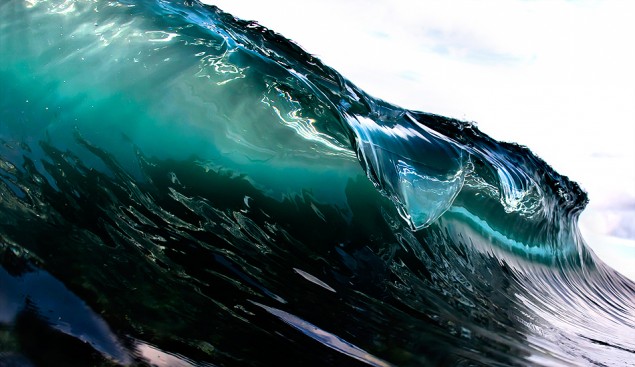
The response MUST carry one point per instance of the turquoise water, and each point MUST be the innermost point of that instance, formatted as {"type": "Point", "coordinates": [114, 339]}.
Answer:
{"type": "Point", "coordinates": [179, 187]}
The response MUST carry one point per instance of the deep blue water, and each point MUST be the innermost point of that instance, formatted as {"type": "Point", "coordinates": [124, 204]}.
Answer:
{"type": "Point", "coordinates": [179, 187]}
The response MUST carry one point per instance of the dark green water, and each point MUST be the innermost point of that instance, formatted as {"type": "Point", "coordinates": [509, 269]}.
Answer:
{"type": "Point", "coordinates": [178, 187]}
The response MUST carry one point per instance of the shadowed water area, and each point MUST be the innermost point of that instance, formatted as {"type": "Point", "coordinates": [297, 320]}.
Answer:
{"type": "Point", "coordinates": [179, 187]}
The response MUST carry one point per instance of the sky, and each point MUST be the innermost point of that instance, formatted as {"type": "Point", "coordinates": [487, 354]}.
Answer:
{"type": "Point", "coordinates": [554, 75]}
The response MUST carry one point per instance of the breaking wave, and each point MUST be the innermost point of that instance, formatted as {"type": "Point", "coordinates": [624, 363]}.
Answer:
{"type": "Point", "coordinates": [180, 187]}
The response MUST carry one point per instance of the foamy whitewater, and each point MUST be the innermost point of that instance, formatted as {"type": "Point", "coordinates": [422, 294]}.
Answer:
{"type": "Point", "coordinates": [179, 187]}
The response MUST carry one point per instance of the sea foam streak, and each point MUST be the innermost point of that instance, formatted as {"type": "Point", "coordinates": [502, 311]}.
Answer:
{"type": "Point", "coordinates": [175, 168]}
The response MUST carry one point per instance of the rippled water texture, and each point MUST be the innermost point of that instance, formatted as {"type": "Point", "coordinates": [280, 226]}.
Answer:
{"type": "Point", "coordinates": [178, 187]}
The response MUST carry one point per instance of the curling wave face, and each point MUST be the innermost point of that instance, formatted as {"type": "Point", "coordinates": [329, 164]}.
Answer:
{"type": "Point", "coordinates": [205, 191]}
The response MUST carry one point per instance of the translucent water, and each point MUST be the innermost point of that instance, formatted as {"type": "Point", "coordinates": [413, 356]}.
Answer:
{"type": "Point", "coordinates": [179, 187]}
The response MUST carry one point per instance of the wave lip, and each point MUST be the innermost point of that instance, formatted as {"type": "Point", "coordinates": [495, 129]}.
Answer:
{"type": "Point", "coordinates": [418, 168]}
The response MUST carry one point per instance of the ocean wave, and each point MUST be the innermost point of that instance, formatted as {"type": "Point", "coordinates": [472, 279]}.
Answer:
{"type": "Point", "coordinates": [204, 190]}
